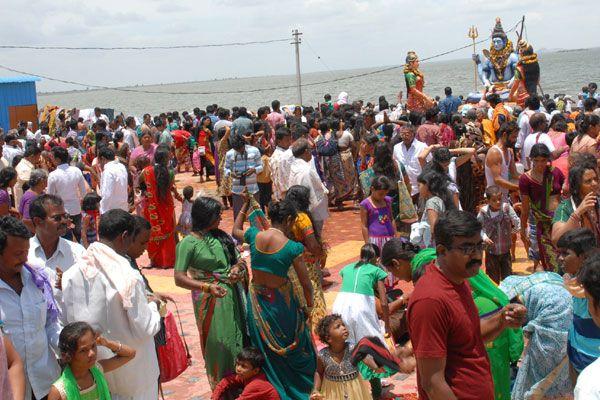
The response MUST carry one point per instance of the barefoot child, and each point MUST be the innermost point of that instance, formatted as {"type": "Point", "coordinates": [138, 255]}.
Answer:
{"type": "Point", "coordinates": [499, 222]}
{"type": "Point", "coordinates": [83, 376]}
{"type": "Point", "coordinates": [336, 377]}
{"type": "Point", "coordinates": [249, 376]}
{"type": "Point", "coordinates": [184, 226]}
{"type": "Point", "coordinates": [356, 300]}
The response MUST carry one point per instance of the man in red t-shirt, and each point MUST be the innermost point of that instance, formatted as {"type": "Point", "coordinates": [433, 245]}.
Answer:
{"type": "Point", "coordinates": [446, 332]}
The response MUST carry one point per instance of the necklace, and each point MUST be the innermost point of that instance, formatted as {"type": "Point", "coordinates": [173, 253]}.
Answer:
{"type": "Point", "coordinates": [338, 353]}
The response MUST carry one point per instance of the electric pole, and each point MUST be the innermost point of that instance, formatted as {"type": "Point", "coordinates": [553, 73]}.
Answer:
{"type": "Point", "coordinates": [296, 43]}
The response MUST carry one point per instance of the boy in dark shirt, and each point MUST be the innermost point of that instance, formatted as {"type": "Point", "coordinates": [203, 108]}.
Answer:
{"type": "Point", "coordinates": [249, 376]}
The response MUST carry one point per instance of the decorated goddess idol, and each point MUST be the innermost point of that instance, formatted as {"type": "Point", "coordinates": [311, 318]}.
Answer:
{"type": "Point", "coordinates": [417, 101]}
{"type": "Point", "coordinates": [497, 70]}
{"type": "Point", "coordinates": [527, 75]}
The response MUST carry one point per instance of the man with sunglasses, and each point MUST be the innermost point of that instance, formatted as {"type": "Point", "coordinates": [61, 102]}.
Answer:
{"type": "Point", "coordinates": [447, 334]}
{"type": "Point", "coordinates": [48, 247]}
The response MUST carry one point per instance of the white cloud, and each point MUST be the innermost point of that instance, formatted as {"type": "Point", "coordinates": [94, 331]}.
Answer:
{"type": "Point", "coordinates": [345, 34]}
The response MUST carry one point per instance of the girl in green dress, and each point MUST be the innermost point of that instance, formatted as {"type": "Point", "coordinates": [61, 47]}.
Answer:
{"type": "Point", "coordinates": [277, 323]}
{"type": "Point", "coordinates": [208, 264]}
{"type": "Point", "coordinates": [83, 377]}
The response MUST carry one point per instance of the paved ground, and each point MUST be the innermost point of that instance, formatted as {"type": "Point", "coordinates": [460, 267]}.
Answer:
{"type": "Point", "coordinates": [343, 235]}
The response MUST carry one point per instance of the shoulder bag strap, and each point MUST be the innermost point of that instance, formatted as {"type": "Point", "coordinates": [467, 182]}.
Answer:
{"type": "Point", "coordinates": [187, 350]}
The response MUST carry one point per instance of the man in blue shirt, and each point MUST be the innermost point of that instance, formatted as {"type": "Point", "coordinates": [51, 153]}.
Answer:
{"type": "Point", "coordinates": [449, 105]}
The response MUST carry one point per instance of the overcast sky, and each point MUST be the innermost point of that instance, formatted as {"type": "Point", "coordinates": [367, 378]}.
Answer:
{"type": "Point", "coordinates": [346, 34]}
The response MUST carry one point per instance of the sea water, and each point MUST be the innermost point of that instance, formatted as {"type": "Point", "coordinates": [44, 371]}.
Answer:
{"type": "Point", "coordinates": [561, 72]}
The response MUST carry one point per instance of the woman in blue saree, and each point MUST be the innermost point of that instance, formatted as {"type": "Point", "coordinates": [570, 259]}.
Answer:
{"type": "Point", "coordinates": [544, 370]}
{"type": "Point", "coordinates": [277, 323]}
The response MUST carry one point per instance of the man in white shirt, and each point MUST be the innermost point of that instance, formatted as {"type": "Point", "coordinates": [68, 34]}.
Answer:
{"type": "Point", "coordinates": [384, 108]}
{"type": "Point", "coordinates": [532, 104]}
{"type": "Point", "coordinates": [30, 318]}
{"type": "Point", "coordinates": [539, 123]}
{"type": "Point", "coordinates": [12, 147]}
{"type": "Point", "coordinates": [42, 133]}
{"type": "Point", "coordinates": [113, 183]}
{"type": "Point", "coordinates": [224, 120]}
{"type": "Point", "coordinates": [302, 173]}
{"type": "Point", "coordinates": [3, 162]}
{"type": "Point", "coordinates": [407, 152]}
{"type": "Point", "coordinates": [30, 135]}
{"type": "Point", "coordinates": [47, 247]}
{"type": "Point", "coordinates": [588, 384]}
{"type": "Point", "coordinates": [104, 291]}
{"type": "Point", "coordinates": [68, 183]}
{"type": "Point", "coordinates": [130, 134]}
{"type": "Point", "coordinates": [98, 115]}
{"type": "Point", "coordinates": [30, 159]}
{"type": "Point", "coordinates": [280, 162]}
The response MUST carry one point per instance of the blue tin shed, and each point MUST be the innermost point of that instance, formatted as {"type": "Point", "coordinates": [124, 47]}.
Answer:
{"type": "Point", "coordinates": [18, 101]}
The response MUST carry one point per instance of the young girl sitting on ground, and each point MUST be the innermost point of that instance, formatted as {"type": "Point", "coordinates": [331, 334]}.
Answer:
{"type": "Point", "coordinates": [336, 377]}
{"type": "Point", "coordinates": [184, 225]}
{"type": "Point", "coordinates": [83, 376]}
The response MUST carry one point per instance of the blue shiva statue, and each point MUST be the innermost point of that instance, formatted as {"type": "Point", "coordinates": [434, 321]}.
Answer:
{"type": "Point", "coordinates": [497, 71]}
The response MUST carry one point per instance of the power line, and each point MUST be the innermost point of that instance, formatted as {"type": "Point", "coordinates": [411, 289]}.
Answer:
{"type": "Point", "coordinates": [266, 89]}
{"type": "Point", "coordinates": [191, 46]}
{"type": "Point", "coordinates": [319, 57]}
{"type": "Point", "coordinates": [132, 90]}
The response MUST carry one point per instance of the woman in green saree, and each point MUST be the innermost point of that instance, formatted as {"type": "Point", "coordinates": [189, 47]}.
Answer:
{"type": "Point", "coordinates": [506, 348]}
{"type": "Point", "coordinates": [277, 323]}
{"type": "Point", "coordinates": [208, 264]}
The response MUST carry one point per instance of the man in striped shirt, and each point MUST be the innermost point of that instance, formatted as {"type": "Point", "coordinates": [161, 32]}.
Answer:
{"type": "Point", "coordinates": [243, 162]}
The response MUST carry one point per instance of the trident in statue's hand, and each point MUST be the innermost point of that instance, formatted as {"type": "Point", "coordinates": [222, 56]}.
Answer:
{"type": "Point", "coordinates": [474, 34]}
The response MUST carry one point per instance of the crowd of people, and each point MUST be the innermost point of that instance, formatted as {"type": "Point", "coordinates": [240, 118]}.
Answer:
{"type": "Point", "coordinates": [440, 197]}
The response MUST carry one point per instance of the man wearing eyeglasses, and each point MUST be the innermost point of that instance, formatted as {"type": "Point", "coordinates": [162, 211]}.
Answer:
{"type": "Point", "coordinates": [48, 247]}
{"type": "Point", "coordinates": [447, 334]}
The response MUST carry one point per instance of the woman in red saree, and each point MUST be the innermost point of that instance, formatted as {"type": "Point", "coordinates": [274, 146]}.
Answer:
{"type": "Point", "coordinates": [207, 159]}
{"type": "Point", "coordinates": [158, 182]}
{"type": "Point", "coordinates": [182, 151]}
